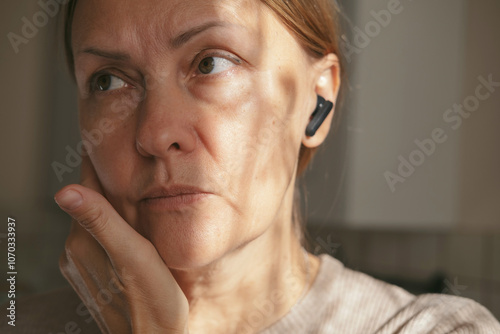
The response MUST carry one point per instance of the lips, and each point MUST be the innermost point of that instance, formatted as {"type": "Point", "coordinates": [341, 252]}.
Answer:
{"type": "Point", "coordinates": [174, 198]}
{"type": "Point", "coordinates": [172, 191]}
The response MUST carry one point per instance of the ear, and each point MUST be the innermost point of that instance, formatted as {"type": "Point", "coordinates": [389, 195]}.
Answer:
{"type": "Point", "coordinates": [327, 85]}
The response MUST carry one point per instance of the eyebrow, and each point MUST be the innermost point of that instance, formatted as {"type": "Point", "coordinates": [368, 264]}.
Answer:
{"type": "Point", "coordinates": [184, 37]}
{"type": "Point", "coordinates": [107, 54]}
{"type": "Point", "coordinates": [174, 43]}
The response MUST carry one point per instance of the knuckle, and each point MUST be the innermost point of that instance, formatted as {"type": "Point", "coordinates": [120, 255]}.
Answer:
{"type": "Point", "coordinates": [67, 266]}
{"type": "Point", "coordinates": [63, 263]}
{"type": "Point", "coordinates": [71, 246]}
{"type": "Point", "coordinates": [94, 220]}
{"type": "Point", "coordinates": [76, 248]}
{"type": "Point", "coordinates": [67, 258]}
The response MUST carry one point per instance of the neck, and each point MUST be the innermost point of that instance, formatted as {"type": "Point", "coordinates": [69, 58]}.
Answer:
{"type": "Point", "coordinates": [248, 288]}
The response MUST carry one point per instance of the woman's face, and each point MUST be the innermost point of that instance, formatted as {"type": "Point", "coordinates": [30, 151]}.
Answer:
{"type": "Point", "coordinates": [210, 94]}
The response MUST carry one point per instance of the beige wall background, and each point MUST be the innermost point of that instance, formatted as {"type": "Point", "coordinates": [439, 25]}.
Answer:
{"type": "Point", "coordinates": [444, 218]}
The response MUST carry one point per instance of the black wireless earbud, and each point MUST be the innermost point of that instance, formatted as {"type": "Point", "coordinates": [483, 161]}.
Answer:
{"type": "Point", "coordinates": [319, 114]}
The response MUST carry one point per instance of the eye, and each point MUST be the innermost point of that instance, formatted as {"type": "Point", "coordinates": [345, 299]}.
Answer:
{"type": "Point", "coordinates": [213, 65]}
{"type": "Point", "coordinates": [106, 82]}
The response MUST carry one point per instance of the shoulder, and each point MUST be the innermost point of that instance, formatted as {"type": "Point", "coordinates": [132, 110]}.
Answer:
{"type": "Point", "coordinates": [342, 300]}
{"type": "Point", "coordinates": [356, 302]}
{"type": "Point", "coordinates": [435, 313]}
{"type": "Point", "coordinates": [56, 311]}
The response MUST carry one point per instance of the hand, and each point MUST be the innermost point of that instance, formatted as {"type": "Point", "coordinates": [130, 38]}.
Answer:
{"type": "Point", "coordinates": [117, 273]}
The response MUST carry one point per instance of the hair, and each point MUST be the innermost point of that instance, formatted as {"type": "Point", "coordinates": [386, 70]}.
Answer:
{"type": "Point", "coordinates": [315, 24]}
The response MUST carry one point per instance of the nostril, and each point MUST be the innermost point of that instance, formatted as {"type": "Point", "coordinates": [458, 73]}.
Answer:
{"type": "Point", "coordinates": [176, 145]}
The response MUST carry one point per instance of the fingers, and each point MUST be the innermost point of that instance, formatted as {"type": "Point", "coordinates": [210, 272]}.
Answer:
{"type": "Point", "coordinates": [80, 250]}
{"type": "Point", "coordinates": [96, 215]}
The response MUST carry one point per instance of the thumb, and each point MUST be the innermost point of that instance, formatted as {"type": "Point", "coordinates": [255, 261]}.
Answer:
{"type": "Point", "coordinates": [98, 217]}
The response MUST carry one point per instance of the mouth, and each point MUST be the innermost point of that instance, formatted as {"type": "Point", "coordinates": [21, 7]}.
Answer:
{"type": "Point", "coordinates": [174, 198]}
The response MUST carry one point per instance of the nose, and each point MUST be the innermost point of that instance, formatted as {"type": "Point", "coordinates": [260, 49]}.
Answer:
{"type": "Point", "coordinates": [165, 125]}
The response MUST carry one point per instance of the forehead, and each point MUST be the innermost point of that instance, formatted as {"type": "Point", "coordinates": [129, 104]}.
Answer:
{"type": "Point", "coordinates": [128, 22]}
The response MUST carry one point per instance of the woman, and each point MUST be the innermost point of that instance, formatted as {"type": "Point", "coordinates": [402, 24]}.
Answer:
{"type": "Point", "coordinates": [194, 117]}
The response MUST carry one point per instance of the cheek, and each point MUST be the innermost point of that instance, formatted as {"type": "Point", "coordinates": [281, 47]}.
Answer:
{"type": "Point", "coordinates": [256, 139]}
{"type": "Point", "coordinates": [114, 159]}
{"type": "Point", "coordinates": [107, 131]}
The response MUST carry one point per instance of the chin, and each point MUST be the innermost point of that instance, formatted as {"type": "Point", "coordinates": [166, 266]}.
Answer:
{"type": "Point", "coordinates": [189, 243]}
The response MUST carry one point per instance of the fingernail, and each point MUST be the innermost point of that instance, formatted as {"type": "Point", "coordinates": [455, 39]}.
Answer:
{"type": "Point", "coordinates": [69, 200]}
